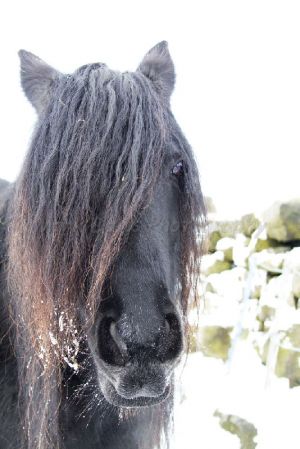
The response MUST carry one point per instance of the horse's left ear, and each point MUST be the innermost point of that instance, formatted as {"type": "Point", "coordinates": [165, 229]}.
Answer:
{"type": "Point", "coordinates": [36, 79]}
{"type": "Point", "coordinates": [158, 66]}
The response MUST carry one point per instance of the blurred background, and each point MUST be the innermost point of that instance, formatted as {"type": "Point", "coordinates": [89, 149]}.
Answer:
{"type": "Point", "coordinates": [237, 99]}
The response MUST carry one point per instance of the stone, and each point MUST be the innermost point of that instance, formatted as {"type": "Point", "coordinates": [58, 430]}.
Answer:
{"type": "Point", "coordinates": [215, 341]}
{"type": "Point", "coordinates": [228, 284]}
{"type": "Point", "coordinates": [219, 311]}
{"type": "Point", "coordinates": [292, 260]}
{"type": "Point", "coordinates": [280, 354]}
{"type": "Point", "coordinates": [264, 242]}
{"type": "Point", "coordinates": [283, 221]}
{"type": "Point", "coordinates": [296, 284]}
{"type": "Point", "coordinates": [277, 300]}
{"type": "Point", "coordinates": [292, 265]}
{"type": "Point", "coordinates": [293, 334]}
{"type": "Point", "coordinates": [241, 251]}
{"type": "Point", "coordinates": [245, 430]}
{"type": "Point", "coordinates": [249, 224]}
{"type": "Point", "coordinates": [257, 282]}
{"type": "Point", "coordinates": [280, 348]}
{"type": "Point", "coordinates": [211, 302]}
{"type": "Point", "coordinates": [271, 259]}
{"type": "Point", "coordinates": [214, 263]}
{"type": "Point", "coordinates": [288, 365]}
{"type": "Point", "coordinates": [288, 356]}
{"type": "Point", "coordinates": [266, 312]}
{"type": "Point", "coordinates": [213, 238]}
{"type": "Point", "coordinates": [226, 245]}
{"type": "Point", "coordinates": [228, 228]}
{"type": "Point", "coordinates": [278, 292]}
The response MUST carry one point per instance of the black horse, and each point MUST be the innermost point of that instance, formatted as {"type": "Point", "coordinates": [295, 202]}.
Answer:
{"type": "Point", "coordinates": [100, 240]}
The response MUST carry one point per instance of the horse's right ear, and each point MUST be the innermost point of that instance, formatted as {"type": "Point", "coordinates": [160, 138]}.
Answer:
{"type": "Point", "coordinates": [36, 79]}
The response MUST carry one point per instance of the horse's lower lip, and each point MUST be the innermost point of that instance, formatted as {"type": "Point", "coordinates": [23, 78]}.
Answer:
{"type": "Point", "coordinates": [141, 401]}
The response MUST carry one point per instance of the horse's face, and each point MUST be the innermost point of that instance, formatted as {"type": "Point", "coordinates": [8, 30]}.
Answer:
{"type": "Point", "coordinates": [119, 179]}
{"type": "Point", "coordinates": [138, 335]}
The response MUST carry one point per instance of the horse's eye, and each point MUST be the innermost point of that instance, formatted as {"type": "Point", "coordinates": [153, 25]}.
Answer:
{"type": "Point", "coordinates": [177, 170]}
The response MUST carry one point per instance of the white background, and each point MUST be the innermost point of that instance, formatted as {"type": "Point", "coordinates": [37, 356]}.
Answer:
{"type": "Point", "coordinates": [238, 80]}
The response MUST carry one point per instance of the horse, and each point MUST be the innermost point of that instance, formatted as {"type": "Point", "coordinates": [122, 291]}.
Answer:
{"type": "Point", "coordinates": [100, 244]}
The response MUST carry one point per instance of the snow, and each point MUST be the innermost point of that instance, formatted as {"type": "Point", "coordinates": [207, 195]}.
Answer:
{"type": "Point", "coordinates": [242, 389]}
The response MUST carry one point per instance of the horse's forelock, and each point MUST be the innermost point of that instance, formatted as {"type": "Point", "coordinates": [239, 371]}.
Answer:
{"type": "Point", "coordinates": [92, 165]}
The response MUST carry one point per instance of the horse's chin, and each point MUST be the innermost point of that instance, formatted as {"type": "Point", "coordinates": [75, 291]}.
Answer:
{"type": "Point", "coordinates": [114, 398]}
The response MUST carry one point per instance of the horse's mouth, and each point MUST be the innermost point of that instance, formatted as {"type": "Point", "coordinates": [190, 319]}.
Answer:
{"type": "Point", "coordinates": [114, 398]}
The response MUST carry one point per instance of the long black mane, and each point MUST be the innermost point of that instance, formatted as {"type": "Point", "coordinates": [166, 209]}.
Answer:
{"type": "Point", "coordinates": [93, 163]}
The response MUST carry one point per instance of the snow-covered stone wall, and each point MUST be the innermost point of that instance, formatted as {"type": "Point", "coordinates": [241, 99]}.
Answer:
{"type": "Point", "coordinates": [251, 288]}
{"type": "Point", "coordinates": [250, 320]}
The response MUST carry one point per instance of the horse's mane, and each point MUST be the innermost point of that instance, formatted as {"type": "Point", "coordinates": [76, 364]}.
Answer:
{"type": "Point", "coordinates": [93, 162]}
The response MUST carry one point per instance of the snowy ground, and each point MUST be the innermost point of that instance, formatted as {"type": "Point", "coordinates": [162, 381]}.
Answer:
{"type": "Point", "coordinates": [246, 389]}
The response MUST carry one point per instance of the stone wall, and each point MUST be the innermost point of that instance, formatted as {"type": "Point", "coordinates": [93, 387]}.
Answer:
{"type": "Point", "coordinates": [251, 288]}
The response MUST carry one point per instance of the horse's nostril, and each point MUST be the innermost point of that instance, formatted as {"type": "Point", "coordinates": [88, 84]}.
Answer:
{"type": "Point", "coordinates": [157, 343]}
{"type": "Point", "coordinates": [111, 347]}
{"type": "Point", "coordinates": [171, 321]}
{"type": "Point", "coordinates": [173, 343]}
{"type": "Point", "coordinates": [168, 327]}
{"type": "Point", "coordinates": [117, 338]}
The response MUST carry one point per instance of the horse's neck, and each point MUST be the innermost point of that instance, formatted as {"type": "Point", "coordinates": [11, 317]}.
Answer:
{"type": "Point", "coordinates": [9, 418]}
{"type": "Point", "coordinates": [3, 219]}
{"type": "Point", "coordinates": [5, 322]}
{"type": "Point", "coordinates": [6, 192]}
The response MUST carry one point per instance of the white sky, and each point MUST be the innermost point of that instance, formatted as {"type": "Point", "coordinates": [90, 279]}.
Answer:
{"type": "Point", "coordinates": [238, 80]}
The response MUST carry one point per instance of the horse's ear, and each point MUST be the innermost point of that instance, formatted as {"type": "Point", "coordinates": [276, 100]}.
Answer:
{"type": "Point", "coordinates": [158, 66]}
{"type": "Point", "coordinates": [36, 79]}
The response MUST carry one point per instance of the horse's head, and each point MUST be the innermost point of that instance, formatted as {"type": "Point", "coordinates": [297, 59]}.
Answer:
{"type": "Point", "coordinates": [106, 222]}
{"type": "Point", "coordinates": [138, 335]}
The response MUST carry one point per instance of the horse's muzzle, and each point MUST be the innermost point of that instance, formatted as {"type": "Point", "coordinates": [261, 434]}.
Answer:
{"type": "Point", "coordinates": [135, 363]}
